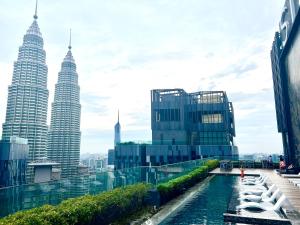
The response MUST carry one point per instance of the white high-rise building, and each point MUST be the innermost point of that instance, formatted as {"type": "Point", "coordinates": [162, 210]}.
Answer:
{"type": "Point", "coordinates": [117, 132]}
{"type": "Point", "coordinates": [26, 113]}
{"type": "Point", "coordinates": [64, 134]}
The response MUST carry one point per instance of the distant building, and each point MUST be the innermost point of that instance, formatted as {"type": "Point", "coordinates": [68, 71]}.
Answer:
{"type": "Point", "coordinates": [27, 104]}
{"type": "Point", "coordinates": [185, 126]}
{"type": "Point", "coordinates": [111, 157]}
{"type": "Point", "coordinates": [101, 164]}
{"type": "Point", "coordinates": [44, 170]}
{"type": "Point", "coordinates": [117, 132]}
{"type": "Point", "coordinates": [13, 159]}
{"type": "Point", "coordinates": [64, 134]}
{"type": "Point", "coordinates": [285, 55]}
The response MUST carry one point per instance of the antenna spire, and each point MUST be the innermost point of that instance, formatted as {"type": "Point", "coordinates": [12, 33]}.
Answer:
{"type": "Point", "coordinates": [70, 46]}
{"type": "Point", "coordinates": [35, 12]}
{"type": "Point", "coordinates": [118, 115]}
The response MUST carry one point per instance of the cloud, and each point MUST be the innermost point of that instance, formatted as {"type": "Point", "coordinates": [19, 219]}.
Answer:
{"type": "Point", "coordinates": [238, 69]}
{"type": "Point", "coordinates": [92, 103]}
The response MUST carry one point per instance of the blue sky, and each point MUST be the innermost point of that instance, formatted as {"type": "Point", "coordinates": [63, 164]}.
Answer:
{"type": "Point", "coordinates": [125, 48]}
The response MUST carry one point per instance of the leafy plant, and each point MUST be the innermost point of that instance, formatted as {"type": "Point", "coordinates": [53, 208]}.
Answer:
{"type": "Point", "coordinates": [177, 186]}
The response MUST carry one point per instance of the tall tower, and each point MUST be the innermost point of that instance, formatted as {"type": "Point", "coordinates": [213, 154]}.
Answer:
{"type": "Point", "coordinates": [27, 103]}
{"type": "Point", "coordinates": [117, 132]}
{"type": "Point", "coordinates": [64, 134]}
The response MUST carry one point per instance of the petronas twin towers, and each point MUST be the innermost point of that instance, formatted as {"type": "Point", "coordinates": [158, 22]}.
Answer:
{"type": "Point", "coordinates": [64, 134]}
{"type": "Point", "coordinates": [27, 104]}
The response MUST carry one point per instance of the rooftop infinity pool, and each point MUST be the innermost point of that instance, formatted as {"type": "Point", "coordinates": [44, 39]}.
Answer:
{"type": "Point", "coordinates": [207, 206]}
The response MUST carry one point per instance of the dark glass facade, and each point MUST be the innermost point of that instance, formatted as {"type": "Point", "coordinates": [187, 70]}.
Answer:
{"type": "Point", "coordinates": [13, 158]}
{"type": "Point", "coordinates": [285, 57]}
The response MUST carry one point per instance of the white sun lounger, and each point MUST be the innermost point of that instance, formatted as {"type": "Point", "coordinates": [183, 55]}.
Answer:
{"type": "Point", "coordinates": [256, 182]}
{"type": "Point", "coordinates": [267, 206]}
{"type": "Point", "coordinates": [259, 179]}
{"type": "Point", "coordinates": [255, 198]}
{"type": "Point", "coordinates": [260, 193]}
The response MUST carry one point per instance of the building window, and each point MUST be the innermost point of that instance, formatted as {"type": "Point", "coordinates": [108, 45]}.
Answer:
{"type": "Point", "coordinates": [212, 118]}
{"type": "Point", "coordinates": [165, 115]}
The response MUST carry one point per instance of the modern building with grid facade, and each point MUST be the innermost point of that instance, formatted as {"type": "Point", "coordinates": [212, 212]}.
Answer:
{"type": "Point", "coordinates": [64, 134]}
{"type": "Point", "coordinates": [26, 113]}
{"type": "Point", "coordinates": [200, 118]}
{"type": "Point", "coordinates": [185, 126]}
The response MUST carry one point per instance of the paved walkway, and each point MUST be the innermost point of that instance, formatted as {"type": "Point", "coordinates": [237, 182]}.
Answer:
{"type": "Point", "coordinates": [288, 189]}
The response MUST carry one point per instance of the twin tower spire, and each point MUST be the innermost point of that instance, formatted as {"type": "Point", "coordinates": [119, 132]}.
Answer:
{"type": "Point", "coordinates": [35, 16]}
{"type": "Point", "coordinates": [35, 13]}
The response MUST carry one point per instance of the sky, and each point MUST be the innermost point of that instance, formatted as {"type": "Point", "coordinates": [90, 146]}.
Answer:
{"type": "Point", "coordinates": [125, 48]}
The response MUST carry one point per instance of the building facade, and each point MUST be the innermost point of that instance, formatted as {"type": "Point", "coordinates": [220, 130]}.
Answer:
{"type": "Point", "coordinates": [185, 126]}
{"type": "Point", "coordinates": [13, 159]}
{"type": "Point", "coordinates": [27, 104]}
{"type": "Point", "coordinates": [285, 69]}
{"type": "Point", "coordinates": [200, 118]}
{"type": "Point", "coordinates": [64, 134]}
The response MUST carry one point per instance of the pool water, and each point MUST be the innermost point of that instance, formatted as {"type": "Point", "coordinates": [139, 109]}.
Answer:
{"type": "Point", "coordinates": [207, 206]}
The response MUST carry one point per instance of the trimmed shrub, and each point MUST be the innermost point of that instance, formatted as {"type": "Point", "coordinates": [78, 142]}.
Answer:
{"type": "Point", "coordinates": [103, 208]}
{"type": "Point", "coordinates": [177, 186]}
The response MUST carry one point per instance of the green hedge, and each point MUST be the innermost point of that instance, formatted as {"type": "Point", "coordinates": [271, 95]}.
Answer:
{"type": "Point", "coordinates": [103, 208]}
{"type": "Point", "coordinates": [177, 186]}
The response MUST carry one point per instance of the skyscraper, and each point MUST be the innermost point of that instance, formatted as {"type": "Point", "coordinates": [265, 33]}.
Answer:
{"type": "Point", "coordinates": [26, 113]}
{"type": "Point", "coordinates": [117, 132]}
{"type": "Point", "coordinates": [64, 134]}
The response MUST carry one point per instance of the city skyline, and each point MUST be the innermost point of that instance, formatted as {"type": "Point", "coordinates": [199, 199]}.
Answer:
{"type": "Point", "coordinates": [119, 63]}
